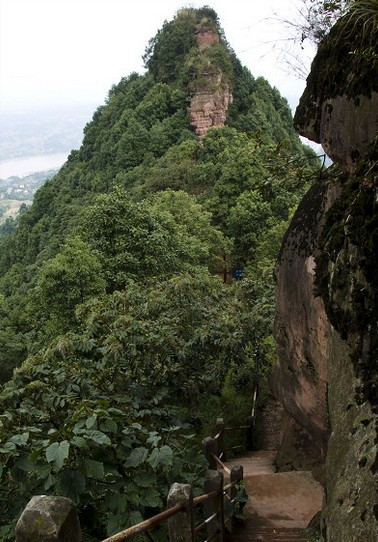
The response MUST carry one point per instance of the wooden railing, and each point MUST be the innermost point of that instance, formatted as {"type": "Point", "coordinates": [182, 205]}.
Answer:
{"type": "Point", "coordinates": [218, 503]}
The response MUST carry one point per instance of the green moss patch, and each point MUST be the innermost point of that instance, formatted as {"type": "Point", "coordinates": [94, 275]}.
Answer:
{"type": "Point", "coordinates": [347, 276]}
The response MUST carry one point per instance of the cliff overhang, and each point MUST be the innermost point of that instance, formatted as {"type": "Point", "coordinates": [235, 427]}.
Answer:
{"type": "Point", "coordinates": [339, 107]}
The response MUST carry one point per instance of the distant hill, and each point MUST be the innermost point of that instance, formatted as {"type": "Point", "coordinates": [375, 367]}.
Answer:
{"type": "Point", "coordinates": [30, 132]}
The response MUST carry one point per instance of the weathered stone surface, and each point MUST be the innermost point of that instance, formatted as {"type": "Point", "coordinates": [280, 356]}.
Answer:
{"type": "Point", "coordinates": [211, 97]}
{"type": "Point", "coordinates": [345, 127]}
{"type": "Point", "coordinates": [348, 282]}
{"type": "Point", "coordinates": [339, 107]}
{"type": "Point", "coordinates": [299, 380]}
{"type": "Point", "coordinates": [181, 526]}
{"type": "Point", "coordinates": [208, 106]}
{"type": "Point", "coordinates": [352, 511]}
{"type": "Point", "coordinates": [206, 36]}
{"type": "Point", "coordinates": [340, 110]}
{"type": "Point", "coordinates": [49, 519]}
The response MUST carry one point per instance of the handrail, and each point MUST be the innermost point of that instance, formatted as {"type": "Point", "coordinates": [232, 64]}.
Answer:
{"type": "Point", "coordinates": [238, 428]}
{"type": "Point", "coordinates": [200, 526]}
{"type": "Point", "coordinates": [222, 465]}
{"type": "Point", "coordinates": [205, 497]}
{"type": "Point", "coordinates": [254, 403]}
{"type": "Point", "coordinates": [230, 485]}
{"type": "Point", "coordinates": [144, 525]}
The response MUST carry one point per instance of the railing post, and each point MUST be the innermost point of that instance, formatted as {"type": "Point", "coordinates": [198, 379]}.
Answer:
{"type": "Point", "coordinates": [210, 448]}
{"type": "Point", "coordinates": [236, 475]}
{"type": "Point", "coordinates": [214, 506]}
{"type": "Point", "coordinates": [249, 433]}
{"type": "Point", "coordinates": [220, 431]}
{"type": "Point", "coordinates": [48, 519]}
{"type": "Point", "coordinates": [181, 526]}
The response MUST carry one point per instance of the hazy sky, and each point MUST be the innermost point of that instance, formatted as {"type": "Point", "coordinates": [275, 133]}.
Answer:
{"type": "Point", "coordinates": [56, 52]}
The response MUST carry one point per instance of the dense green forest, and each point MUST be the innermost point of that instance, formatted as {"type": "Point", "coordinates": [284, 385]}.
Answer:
{"type": "Point", "coordinates": [122, 336]}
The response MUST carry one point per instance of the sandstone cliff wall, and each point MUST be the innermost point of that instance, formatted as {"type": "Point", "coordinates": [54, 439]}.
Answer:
{"type": "Point", "coordinates": [212, 92]}
{"type": "Point", "coordinates": [209, 105]}
{"type": "Point", "coordinates": [334, 275]}
{"type": "Point", "coordinates": [301, 329]}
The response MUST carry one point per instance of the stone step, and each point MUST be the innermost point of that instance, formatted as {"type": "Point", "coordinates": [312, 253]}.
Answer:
{"type": "Point", "coordinates": [268, 538]}
{"type": "Point", "coordinates": [269, 534]}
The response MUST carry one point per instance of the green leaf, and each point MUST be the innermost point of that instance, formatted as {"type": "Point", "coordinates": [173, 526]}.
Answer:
{"type": "Point", "coordinates": [151, 498]}
{"type": "Point", "coordinates": [113, 525]}
{"type": "Point", "coordinates": [80, 442]}
{"type": "Point", "coordinates": [8, 447]}
{"type": "Point", "coordinates": [154, 438]}
{"type": "Point", "coordinates": [137, 456]}
{"type": "Point", "coordinates": [71, 484]}
{"type": "Point", "coordinates": [161, 457]}
{"type": "Point", "coordinates": [99, 437]}
{"type": "Point", "coordinates": [109, 425]}
{"type": "Point", "coordinates": [57, 452]}
{"type": "Point", "coordinates": [49, 482]}
{"type": "Point", "coordinates": [42, 470]}
{"type": "Point", "coordinates": [20, 440]}
{"type": "Point", "coordinates": [144, 479]}
{"type": "Point", "coordinates": [94, 469]}
{"type": "Point", "coordinates": [135, 426]}
{"type": "Point", "coordinates": [116, 502]}
{"type": "Point", "coordinates": [24, 464]}
{"type": "Point", "coordinates": [91, 421]}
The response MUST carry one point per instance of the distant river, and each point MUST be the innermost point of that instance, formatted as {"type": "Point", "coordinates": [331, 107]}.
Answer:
{"type": "Point", "coordinates": [21, 167]}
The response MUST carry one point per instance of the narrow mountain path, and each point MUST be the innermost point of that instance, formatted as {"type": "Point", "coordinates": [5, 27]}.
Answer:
{"type": "Point", "coordinates": [280, 505]}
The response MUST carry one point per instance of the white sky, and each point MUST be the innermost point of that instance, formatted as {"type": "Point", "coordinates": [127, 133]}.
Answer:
{"type": "Point", "coordinates": [64, 52]}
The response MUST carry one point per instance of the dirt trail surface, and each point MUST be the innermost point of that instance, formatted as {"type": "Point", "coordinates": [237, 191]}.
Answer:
{"type": "Point", "coordinates": [280, 505]}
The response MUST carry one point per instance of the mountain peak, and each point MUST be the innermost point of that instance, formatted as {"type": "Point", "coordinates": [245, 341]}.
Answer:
{"type": "Point", "coordinates": [191, 53]}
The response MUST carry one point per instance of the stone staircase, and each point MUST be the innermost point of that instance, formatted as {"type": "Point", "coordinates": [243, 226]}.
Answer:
{"type": "Point", "coordinates": [280, 505]}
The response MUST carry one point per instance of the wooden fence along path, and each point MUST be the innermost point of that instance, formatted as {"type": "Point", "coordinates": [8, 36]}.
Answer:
{"type": "Point", "coordinates": [54, 519]}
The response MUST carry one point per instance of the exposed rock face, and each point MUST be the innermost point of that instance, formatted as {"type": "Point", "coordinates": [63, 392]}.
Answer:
{"type": "Point", "coordinates": [208, 107]}
{"type": "Point", "coordinates": [344, 127]}
{"type": "Point", "coordinates": [334, 336]}
{"type": "Point", "coordinates": [299, 380]}
{"type": "Point", "coordinates": [351, 511]}
{"type": "Point", "coordinates": [212, 95]}
{"type": "Point", "coordinates": [339, 107]}
{"type": "Point", "coordinates": [206, 36]}
{"type": "Point", "coordinates": [348, 282]}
